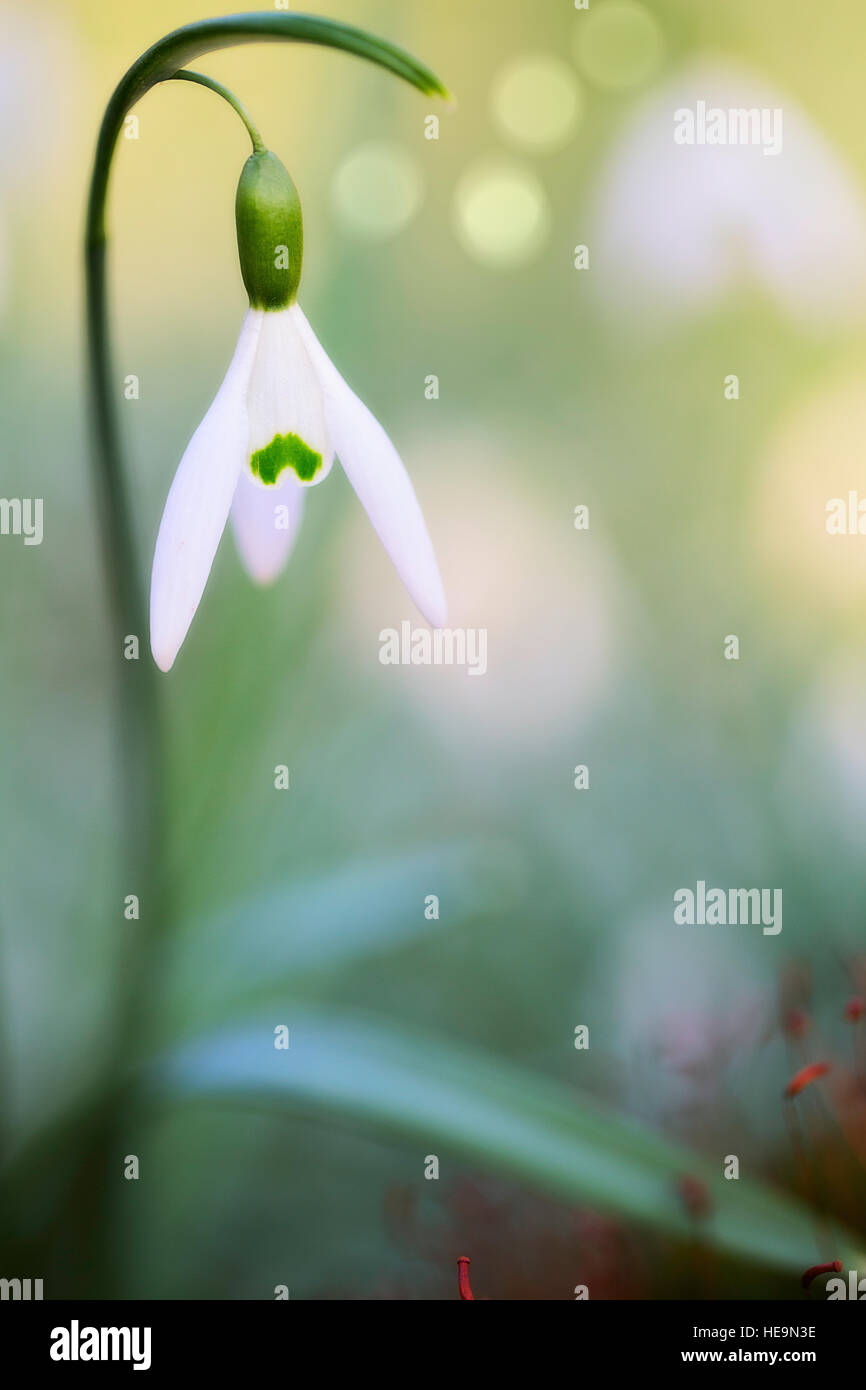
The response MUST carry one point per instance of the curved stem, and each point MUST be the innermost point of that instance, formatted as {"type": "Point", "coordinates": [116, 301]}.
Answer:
{"type": "Point", "coordinates": [162, 62]}
{"type": "Point", "coordinates": [166, 57]}
{"type": "Point", "coordinates": [142, 762]}
{"type": "Point", "coordinates": [213, 86]}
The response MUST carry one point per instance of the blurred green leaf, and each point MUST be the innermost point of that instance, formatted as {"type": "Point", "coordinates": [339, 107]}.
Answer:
{"type": "Point", "coordinates": [420, 1089]}
{"type": "Point", "coordinates": [273, 939]}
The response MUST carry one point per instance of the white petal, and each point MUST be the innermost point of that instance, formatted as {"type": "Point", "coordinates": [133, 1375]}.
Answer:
{"type": "Point", "coordinates": [384, 489]}
{"type": "Point", "coordinates": [198, 504]}
{"type": "Point", "coordinates": [265, 522]}
{"type": "Point", "coordinates": [284, 396]}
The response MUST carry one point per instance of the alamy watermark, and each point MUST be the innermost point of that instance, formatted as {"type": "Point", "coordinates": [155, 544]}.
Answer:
{"type": "Point", "coordinates": [736, 125]}
{"type": "Point", "coordinates": [846, 516]}
{"type": "Point", "coordinates": [25, 1290]}
{"type": "Point", "coordinates": [720, 907]}
{"type": "Point", "coordinates": [440, 646]}
{"type": "Point", "coordinates": [77, 1343]}
{"type": "Point", "coordinates": [854, 1288]}
{"type": "Point", "coordinates": [22, 516]}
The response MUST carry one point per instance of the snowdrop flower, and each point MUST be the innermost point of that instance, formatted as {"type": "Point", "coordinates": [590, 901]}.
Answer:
{"type": "Point", "coordinates": [280, 416]}
{"type": "Point", "coordinates": [682, 225]}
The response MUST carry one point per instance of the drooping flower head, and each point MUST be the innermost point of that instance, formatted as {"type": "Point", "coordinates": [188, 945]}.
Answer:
{"type": "Point", "coordinates": [279, 418]}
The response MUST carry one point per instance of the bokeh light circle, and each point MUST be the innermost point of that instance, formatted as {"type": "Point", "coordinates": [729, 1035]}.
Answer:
{"type": "Point", "coordinates": [537, 101]}
{"type": "Point", "coordinates": [377, 190]}
{"type": "Point", "coordinates": [501, 213]}
{"type": "Point", "coordinates": [618, 45]}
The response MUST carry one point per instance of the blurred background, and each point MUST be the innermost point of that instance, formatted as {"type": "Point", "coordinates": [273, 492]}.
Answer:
{"type": "Point", "coordinates": [604, 385]}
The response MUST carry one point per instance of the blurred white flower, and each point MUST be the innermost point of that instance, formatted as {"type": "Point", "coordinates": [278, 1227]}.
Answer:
{"type": "Point", "coordinates": [680, 226]}
{"type": "Point", "coordinates": [551, 601]}
{"type": "Point", "coordinates": [38, 76]}
{"type": "Point", "coordinates": [687, 1006]}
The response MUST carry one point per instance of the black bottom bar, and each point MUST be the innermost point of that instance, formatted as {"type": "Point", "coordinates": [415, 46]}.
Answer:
{"type": "Point", "coordinates": [222, 1338]}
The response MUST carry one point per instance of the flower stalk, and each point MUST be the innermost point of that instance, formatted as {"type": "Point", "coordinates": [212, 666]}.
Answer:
{"type": "Point", "coordinates": [140, 733]}
{"type": "Point", "coordinates": [140, 730]}
{"type": "Point", "coordinates": [202, 80]}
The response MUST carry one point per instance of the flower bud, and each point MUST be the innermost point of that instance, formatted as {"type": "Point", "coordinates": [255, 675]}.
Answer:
{"type": "Point", "coordinates": [270, 232]}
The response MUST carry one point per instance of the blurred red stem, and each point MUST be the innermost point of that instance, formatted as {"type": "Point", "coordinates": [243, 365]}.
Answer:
{"type": "Point", "coordinates": [463, 1278]}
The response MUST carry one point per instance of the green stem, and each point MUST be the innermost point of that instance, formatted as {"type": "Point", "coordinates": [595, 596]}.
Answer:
{"type": "Point", "coordinates": [221, 91]}
{"type": "Point", "coordinates": [142, 762]}
{"type": "Point", "coordinates": [166, 57]}
{"type": "Point", "coordinates": [141, 732]}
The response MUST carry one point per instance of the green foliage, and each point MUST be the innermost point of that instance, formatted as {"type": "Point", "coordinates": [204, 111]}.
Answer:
{"type": "Point", "coordinates": [497, 1117]}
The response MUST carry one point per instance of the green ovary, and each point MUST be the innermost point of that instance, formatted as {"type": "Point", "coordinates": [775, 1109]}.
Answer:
{"type": "Point", "coordinates": [285, 451]}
